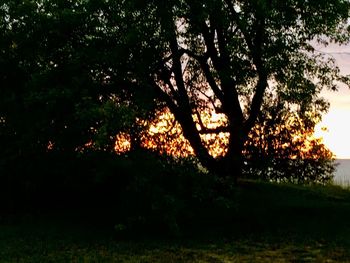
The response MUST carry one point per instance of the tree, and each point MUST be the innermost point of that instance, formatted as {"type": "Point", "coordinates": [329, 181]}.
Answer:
{"type": "Point", "coordinates": [56, 98]}
{"type": "Point", "coordinates": [66, 65]}
{"type": "Point", "coordinates": [55, 67]}
{"type": "Point", "coordinates": [209, 55]}
{"type": "Point", "coordinates": [280, 147]}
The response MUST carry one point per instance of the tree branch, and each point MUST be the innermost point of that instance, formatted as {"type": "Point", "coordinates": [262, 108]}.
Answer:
{"type": "Point", "coordinates": [200, 122]}
{"type": "Point", "coordinates": [216, 130]}
{"type": "Point", "coordinates": [262, 74]}
{"type": "Point", "coordinates": [164, 96]}
{"type": "Point", "coordinates": [211, 100]}
{"type": "Point", "coordinates": [236, 18]}
{"type": "Point", "coordinates": [255, 49]}
{"type": "Point", "coordinates": [206, 70]}
{"type": "Point", "coordinates": [256, 102]}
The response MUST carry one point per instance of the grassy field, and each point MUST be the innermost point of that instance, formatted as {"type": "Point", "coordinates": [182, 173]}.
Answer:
{"type": "Point", "coordinates": [272, 223]}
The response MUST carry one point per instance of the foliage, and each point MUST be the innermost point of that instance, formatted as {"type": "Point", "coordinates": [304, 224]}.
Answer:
{"type": "Point", "coordinates": [58, 93]}
{"type": "Point", "coordinates": [137, 192]}
{"type": "Point", "coordinates": [165, 194]}
{"type": "Point", "coordinates": [208, 56]}
{"type": "Point", "coordinates": [54, 85]}
{"type": "Point", "coordinates": [282, 146]}
{"type": "Point", "coordinates": [76, 73]}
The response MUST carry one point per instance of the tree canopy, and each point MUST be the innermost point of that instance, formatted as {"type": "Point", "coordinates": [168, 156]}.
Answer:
{"type": "Point", "coordinates": [224, 56]}
{"type": "Point", "coordinates": [76, 72]}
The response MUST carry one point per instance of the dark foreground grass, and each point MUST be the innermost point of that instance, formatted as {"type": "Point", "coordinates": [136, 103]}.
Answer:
{"type": "Point", "coordinates": [272, 223]}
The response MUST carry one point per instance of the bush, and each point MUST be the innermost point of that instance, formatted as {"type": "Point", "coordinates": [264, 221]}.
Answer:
{"type": "Point", "coordinates": [299, 171]}
{"type": "Point", "coordinates": [168, 195]}
{"type": "Point", "coordinates": [138, 192]}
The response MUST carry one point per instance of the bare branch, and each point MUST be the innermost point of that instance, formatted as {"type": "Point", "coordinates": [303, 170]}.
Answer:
{"type": "Point", "coordinates": [216, 130]}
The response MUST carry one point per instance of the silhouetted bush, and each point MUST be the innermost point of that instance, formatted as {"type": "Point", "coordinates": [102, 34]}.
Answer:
{"type": "Point", "coordinates": [166, 194]}
{"type": "Point", "coordinates": [299, 171]}
{"type": "Point", "coordinates": [137, 192]}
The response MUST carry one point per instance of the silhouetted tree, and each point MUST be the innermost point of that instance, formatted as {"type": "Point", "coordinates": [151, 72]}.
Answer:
{"type": "Point", "coordinates": [68, 68]}
{"type": "Point", "coordinates": [209, 55]}
{"type": "Point", "coordinates": [58, 91]}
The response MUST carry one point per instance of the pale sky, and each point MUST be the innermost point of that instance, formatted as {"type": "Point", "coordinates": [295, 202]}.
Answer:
{"type": "Point", "coordinates": [337, 121]}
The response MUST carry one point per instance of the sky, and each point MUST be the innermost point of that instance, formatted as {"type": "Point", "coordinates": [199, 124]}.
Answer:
{"type": "Point", "coordinates": [337, 120]}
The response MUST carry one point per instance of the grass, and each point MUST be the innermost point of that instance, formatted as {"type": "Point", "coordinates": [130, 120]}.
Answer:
{"type": "Point", "coordinates": [271, 223]}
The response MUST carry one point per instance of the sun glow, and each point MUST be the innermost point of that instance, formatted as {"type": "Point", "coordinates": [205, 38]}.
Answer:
{"type": "Point", "coordinates": [164, 135]}
{"type": "Point", "coordinates": [122, 142]}
{"type": "Point", "coordinates": [335, 131]}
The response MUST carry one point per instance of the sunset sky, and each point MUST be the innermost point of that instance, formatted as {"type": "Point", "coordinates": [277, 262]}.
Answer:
{"type": "Point", "coordinates": [337, 121]}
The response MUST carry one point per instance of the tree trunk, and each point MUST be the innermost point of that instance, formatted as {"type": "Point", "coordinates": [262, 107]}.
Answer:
{"type": "Point", "coordinates": [228, 167]}
{"type": "Point", "coordinates": [233, 160]}
{"type": "Point", "coordinates": [192, 135]}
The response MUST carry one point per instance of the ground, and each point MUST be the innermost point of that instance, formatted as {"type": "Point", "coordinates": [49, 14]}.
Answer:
{"type": "Point", "coordinates": [273, 223]}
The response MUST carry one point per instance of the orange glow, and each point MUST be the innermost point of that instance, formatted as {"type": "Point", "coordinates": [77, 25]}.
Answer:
{"type": "Point", "coordinates": [164, 135]}
{"type": "Point", "coordinates": [122, 143]}
{"type": "Point", "coordinates": [215, 143]}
